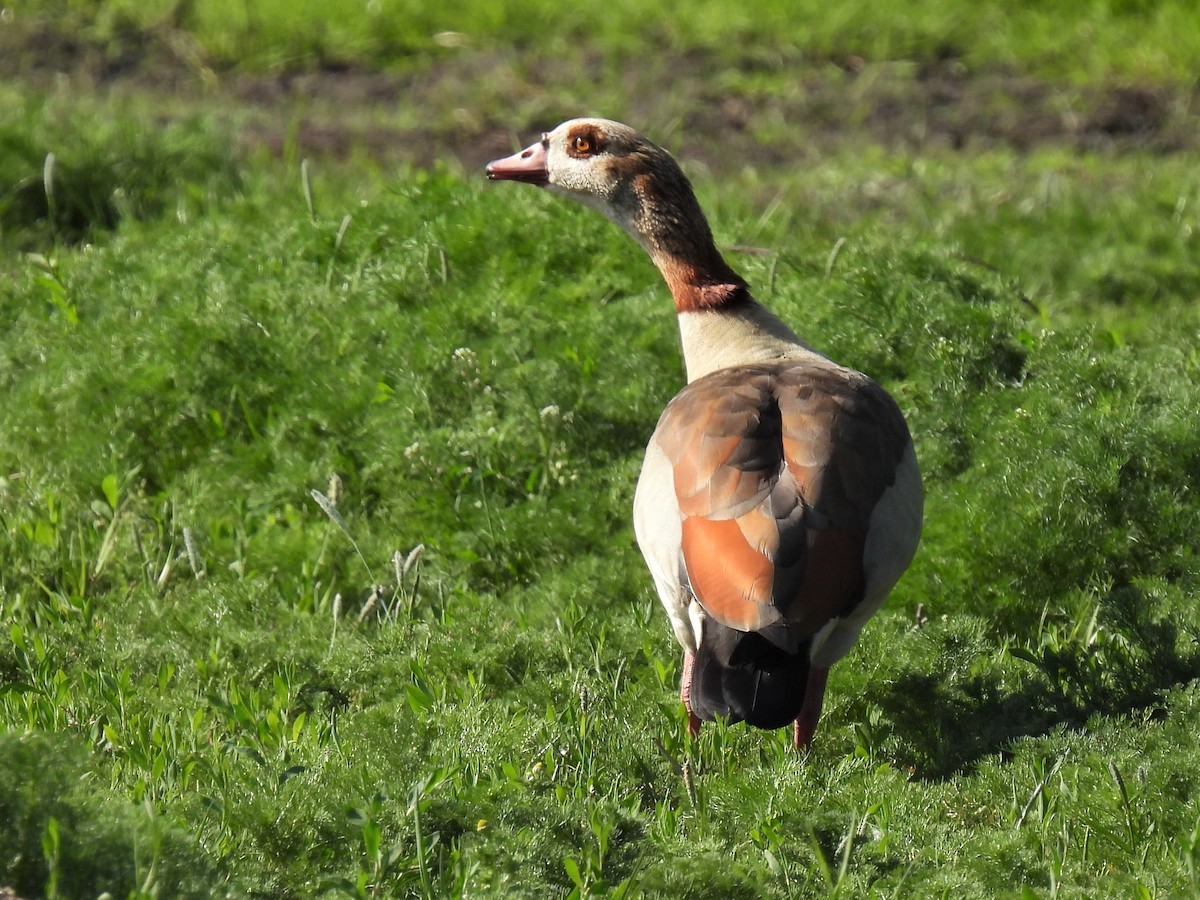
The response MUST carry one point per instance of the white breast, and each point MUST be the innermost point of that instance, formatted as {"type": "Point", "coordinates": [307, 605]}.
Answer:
{"type": "Point", "coordinates": [718, 339]}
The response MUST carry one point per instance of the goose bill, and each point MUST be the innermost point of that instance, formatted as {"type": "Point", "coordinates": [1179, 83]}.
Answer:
{"type": "Point", "coordinates": [528, 166]}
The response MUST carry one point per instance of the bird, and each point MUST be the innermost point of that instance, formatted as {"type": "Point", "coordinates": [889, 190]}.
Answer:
{"type": "Point", "coordinates": [780, 498]}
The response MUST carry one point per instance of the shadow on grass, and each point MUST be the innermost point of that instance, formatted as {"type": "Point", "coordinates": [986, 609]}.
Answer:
{"type": "Point", "coordinates": [97, 843]}
{"type": "Point", "coordinates": [947, 724]}
{"type": "Point", "coordinates": [60, 184]}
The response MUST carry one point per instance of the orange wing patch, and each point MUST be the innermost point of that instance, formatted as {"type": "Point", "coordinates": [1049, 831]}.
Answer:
{"type": "Point", "coordinates": [732, 579]}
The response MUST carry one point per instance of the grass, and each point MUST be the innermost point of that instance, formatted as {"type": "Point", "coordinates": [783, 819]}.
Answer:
{"type": "Point", "coordinates": [1131, 39]}
{"type": "Point", "coordinates": [317, 578]}
{"type": "Point", "coordinates": [64, 184]}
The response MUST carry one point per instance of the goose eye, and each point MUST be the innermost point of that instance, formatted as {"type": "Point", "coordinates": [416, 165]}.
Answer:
{"type": "Point", "coordinates": [581, 144]}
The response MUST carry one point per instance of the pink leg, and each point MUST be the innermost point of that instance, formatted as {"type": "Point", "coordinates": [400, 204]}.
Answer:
{"type": "Point", "coordinates": [810, 712]}
{"type": "Point", "coordinates": [685, 692]}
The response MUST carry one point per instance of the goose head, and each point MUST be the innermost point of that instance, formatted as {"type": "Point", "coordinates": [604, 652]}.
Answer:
{"type": "Point", "coordinates": [613, 169]}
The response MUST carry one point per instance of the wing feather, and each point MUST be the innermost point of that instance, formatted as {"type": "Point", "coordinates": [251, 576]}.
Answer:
{"type": "Point", "coordinates": [777, 468]}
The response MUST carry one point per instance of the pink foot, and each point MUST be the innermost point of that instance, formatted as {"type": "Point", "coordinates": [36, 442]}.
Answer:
{"type": "Point", "coordinates": [810, 712]}
{"type": "Point", "coordinates": [685, 693]}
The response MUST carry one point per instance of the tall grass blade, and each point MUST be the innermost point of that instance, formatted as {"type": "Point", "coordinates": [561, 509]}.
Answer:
{"type": "Point", "coordinates": [306, 186]}
{"type": "Point", "coordinates": [336, 517]}
{"type": "Point", "coordinates": [48, 185]}
{"type": "Point", "coordinates": [193, 554]}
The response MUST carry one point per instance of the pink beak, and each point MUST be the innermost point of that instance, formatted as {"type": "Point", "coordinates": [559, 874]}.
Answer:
{"type": "Point", "coordinates": [528, 166]}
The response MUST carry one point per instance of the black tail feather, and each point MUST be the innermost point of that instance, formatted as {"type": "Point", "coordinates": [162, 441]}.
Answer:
{"type": "Point", "coordinates": [744, 677]}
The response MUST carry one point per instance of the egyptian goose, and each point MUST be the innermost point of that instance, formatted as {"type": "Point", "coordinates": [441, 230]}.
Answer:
{"type": "Point", "coordinates": [780, 499]}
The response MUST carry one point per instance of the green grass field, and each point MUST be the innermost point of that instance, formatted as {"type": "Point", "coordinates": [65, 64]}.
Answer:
{"type": "Point", "coordinates": [317, 452]}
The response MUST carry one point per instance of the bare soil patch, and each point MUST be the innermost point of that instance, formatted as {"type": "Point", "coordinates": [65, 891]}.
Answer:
{"type": "Point", "coordinates": [472, 105]}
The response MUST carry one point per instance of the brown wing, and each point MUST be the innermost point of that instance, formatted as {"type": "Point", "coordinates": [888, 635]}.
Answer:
{"type": "Point", "coordinates": [777, 469]}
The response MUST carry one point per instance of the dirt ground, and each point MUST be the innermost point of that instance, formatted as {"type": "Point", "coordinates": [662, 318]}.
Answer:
{"type": "Point", "coordinates": [473, 105]}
